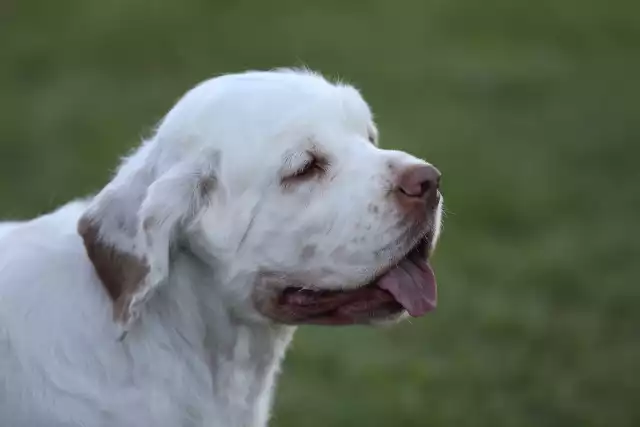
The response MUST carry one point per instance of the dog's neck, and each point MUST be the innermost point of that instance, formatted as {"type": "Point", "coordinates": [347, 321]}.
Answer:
{"type": "Point", "coordinates": [244, 363]}
{"type": "Point", "coordinates": [244, 357]}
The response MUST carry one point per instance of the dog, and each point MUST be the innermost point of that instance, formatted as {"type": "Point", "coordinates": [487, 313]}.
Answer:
{"type": "Point", "coordinates": [261, 202]}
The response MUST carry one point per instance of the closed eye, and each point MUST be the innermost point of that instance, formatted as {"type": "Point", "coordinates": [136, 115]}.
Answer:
{"type": "Point", "coordinates": [314, 166]}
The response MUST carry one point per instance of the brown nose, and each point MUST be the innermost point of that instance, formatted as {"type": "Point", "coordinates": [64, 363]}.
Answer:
{"type": "Point", "coordinates": [420, 182]}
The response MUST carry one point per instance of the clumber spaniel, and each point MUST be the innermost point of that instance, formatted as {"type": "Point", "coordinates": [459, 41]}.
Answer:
{"type": "Point", "coordinates": [261, 202]}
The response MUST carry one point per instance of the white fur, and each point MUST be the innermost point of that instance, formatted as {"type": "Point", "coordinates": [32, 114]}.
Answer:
{"type": "Point", "coordinates": [7, 226]}
{"type": "Point", "coordinates": [196, 351]}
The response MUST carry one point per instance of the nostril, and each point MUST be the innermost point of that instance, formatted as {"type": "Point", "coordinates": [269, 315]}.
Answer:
{"type": "Point", "coordinates": [425, 187]}
{"type": "Point", "coordinates": [420, 182]}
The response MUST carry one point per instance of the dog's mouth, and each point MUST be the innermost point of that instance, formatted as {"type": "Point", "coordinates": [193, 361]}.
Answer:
{"type": "Point", "coordinates": [409, 285]}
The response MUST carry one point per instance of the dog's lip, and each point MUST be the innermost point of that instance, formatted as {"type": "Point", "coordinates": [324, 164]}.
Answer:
{"type": "Point", "coordinates": [390, 293]}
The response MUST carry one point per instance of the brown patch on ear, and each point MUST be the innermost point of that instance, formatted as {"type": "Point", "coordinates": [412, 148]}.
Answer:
{"type": "Point", "coordinates": [121, 273]}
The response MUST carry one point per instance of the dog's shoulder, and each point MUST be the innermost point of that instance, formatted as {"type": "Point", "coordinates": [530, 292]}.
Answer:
{"type": "Point", "coordinates": [31, 236]}
{"type": "Point", "coordinates": [43, 265]}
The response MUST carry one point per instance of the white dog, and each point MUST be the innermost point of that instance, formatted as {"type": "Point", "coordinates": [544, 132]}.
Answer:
{"type": "Point", "coordinates": [261, 202]}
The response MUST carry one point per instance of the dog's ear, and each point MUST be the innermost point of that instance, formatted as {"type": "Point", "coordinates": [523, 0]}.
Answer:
{"type": "Point", "coordinates": [130, 226]}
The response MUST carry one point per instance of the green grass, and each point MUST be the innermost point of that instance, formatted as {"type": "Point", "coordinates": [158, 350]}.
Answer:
{"type": "Point", "coordinates": [530, 108]}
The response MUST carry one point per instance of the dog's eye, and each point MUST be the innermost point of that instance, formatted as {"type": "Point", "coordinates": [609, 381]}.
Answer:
{"type": "Point", "coordinates": [312, 167]}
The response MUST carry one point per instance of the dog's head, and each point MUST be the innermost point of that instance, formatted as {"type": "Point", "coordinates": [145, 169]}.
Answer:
{"type": "Point", "coordinates": [275, 179]}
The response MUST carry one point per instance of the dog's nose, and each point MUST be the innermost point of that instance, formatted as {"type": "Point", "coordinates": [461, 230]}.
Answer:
{"type": "Point", "coordinates": [420, 182]}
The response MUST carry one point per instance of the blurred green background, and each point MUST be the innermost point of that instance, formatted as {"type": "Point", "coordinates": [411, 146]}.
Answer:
{"type": "Point", "coordinates": [530, 109]}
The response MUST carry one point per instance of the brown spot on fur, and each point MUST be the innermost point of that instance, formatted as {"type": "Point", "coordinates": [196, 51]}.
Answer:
{"type": "Point", "coordinates": [308, 251]}
{"type": "Point", "coordinates": [120, 273]}
{"type": "Point", "coordinates": [206, 185]}
{"type": "Point", "coordinates": [148, 223]}
{"type": "Point", "coordinates": [373, 208]}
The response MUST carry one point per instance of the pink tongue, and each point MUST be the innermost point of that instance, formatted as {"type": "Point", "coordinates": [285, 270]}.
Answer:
{"type": "Point", "coordinates": [413, 284]}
